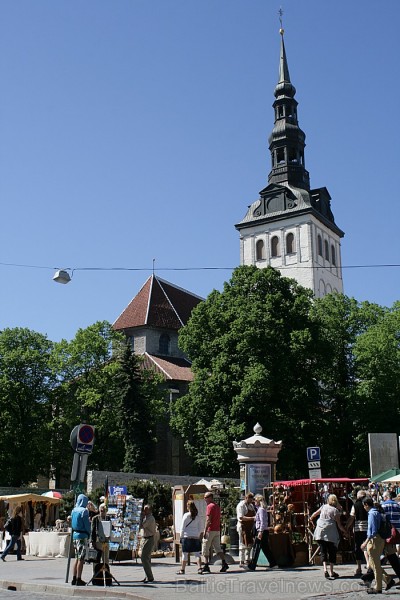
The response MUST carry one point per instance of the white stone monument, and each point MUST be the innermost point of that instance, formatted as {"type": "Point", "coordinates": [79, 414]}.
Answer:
{"type": "Point", "coordinates": [257, 456]}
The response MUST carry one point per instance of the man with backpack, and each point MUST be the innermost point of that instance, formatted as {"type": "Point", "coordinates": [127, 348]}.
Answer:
{"type": "Point", "coordinates": [392, 510]}
{"type": "Point", "coordinates": [14, 528]}
{"type": "Point", "coordinates": [374, 544]}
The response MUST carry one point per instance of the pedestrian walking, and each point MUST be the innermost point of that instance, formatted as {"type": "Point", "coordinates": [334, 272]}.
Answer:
{"type": "Point", "coordinates": [261, 541]}
{"type": "Point", "coordinates": [327, 534]}
{"type": "Point", "coordinates": [191, 535]}
{"type": "Point", "coordinates": [374, 545]}
{"type": "Point", "coordinates": [211, 535]}
{"type": "Point", "coordinates": [15, 530]}
{"type": "Point", "coordinates": [149, 530]}
{"type": "Point", "coordinates": [81, 532]}
{"type": "Point", "coordinates": [359, 518]}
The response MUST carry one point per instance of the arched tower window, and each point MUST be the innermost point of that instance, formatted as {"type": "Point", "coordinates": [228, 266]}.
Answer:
{"type": "Point", "coordinates": [326, 250]}
{"type": "Point", "coordinates": [333, 255]}
{"type": "Point", "coordinates": [290, 243]}
{"type": "Point", "coordinates": [319, 239]}
{"type": "Point", "coordinates": [293, 158]}
{"type": "Point", "coordinates": [275, 246]}
{"type": "Point", "coordinates": [280, 156]}
{"type": "Point", "coordinates": [164, 343]}
{"type": "Point", "coordinates": [260, 250]}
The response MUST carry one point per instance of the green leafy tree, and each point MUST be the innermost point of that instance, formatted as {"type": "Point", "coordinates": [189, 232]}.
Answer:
{"type": "Point", "coordinates": [25, 384]}
{"type": "Point", "coordinates": [101, 383]}
{"type": "Point", "coordinates": [253, 355]}
{"type": "Point", "coordinates": [377, 358]}
{"type": "Point", "coordinates": [87, 393]}
{"type": "Point", "coordinates": [342, 320]}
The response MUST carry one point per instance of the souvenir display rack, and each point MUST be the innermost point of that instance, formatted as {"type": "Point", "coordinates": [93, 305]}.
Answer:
{"type": "Point", "coordinates": [125, 515]}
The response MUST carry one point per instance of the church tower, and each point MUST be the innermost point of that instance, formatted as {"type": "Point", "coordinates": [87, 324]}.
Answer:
{"type": "Point", "coordinates": [291, 227]}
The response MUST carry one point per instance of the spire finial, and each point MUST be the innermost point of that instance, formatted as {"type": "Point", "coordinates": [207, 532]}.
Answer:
{"type": "Point", "coordinates": [280, 13]}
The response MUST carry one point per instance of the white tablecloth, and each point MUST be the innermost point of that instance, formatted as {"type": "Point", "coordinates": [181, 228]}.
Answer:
{"type": "Point", "coordinates": [47, 543]}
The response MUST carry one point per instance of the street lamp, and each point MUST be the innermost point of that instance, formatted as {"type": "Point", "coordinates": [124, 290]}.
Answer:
{"type": "Point", "coordinates": [62, 276]}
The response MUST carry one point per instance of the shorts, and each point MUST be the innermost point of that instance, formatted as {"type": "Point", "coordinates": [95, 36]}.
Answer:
{"type": "Point", "coordinates": [212, 540]}
{"type": "Point", "coordinates": [80, 548]}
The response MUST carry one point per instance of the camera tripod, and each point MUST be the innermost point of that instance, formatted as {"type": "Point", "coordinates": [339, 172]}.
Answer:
{"type": "Point", "coordinates": [103, 568]}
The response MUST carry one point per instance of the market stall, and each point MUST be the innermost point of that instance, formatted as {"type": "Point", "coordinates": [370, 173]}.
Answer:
{"type": "Point", "coordinates": [31, 504]}
{"type": "Point", "coordinates": [293, 501]}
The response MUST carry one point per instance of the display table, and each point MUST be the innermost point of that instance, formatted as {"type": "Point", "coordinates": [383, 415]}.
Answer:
{"type": "Point", "coordinates": [47, 543]}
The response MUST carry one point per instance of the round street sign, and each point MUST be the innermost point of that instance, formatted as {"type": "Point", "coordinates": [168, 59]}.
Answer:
{"type": "Point", "coordinates": [86, 434]}
{"type": "Point", "coordinates": [82, 438]}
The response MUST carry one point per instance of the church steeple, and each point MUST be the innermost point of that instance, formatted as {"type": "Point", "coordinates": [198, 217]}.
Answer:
{"type": "Point", "coordinates": [291, 227]}
{"type": "Point", "coordinates": [287, 140]}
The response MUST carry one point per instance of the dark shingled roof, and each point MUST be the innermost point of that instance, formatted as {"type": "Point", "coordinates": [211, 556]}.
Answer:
{"type": "Point", "coordinates": [158, 304]}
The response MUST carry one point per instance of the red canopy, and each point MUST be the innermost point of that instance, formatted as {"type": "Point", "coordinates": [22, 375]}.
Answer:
{"type": "Point", "coordinates": [294, 482]}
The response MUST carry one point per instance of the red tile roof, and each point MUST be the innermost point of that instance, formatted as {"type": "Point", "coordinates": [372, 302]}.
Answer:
{"type": "Point", "coordinates": [177, 369]}
{"type": "Point", "coordinates": [158, 304]}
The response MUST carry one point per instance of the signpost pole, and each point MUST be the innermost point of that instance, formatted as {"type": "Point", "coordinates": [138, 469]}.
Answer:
{"type": "Point", "coordinates": [82, 440]}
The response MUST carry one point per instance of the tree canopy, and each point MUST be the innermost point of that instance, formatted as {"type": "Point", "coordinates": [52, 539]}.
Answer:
{"type": "Point", "coordinates": [253, 348]}
{"type": "Point", "coordinates": [311, 371]}
{"type": "Point", "coordinates": [48, 388]}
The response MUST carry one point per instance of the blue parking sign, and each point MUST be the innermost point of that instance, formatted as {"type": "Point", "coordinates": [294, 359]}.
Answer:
{"type": "Point", "coordinates": [313, 454]}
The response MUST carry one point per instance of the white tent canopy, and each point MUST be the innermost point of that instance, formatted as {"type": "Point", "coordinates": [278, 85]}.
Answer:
{"type": "Point", "coordinates": [394, 479]}
{"type": "Point", "coordinates": [210, 484]}
{"type": "Point", "coordinates": [21, 498]}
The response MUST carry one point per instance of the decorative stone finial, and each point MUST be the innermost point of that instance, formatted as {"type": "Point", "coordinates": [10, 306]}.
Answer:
{"type": "Point", "coordinates": [257, 428]}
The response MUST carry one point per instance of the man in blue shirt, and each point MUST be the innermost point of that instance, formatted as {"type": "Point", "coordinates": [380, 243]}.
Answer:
{"type": "Point", "coordinates": [374, 545]}
{"type": "Point", "coordinates": [392, 509]}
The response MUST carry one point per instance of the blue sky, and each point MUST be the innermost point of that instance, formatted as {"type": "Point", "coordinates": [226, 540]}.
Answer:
{"type": "Point", "coordinates": [137, 129]}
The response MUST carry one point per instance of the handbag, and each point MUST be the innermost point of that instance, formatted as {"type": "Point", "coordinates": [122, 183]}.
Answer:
{"type": "Point", "coordinates": [394, 537]}
{"type": "Point", "coordinates": [91, 554]}
{"type": "Point", "coordinates": [254, 554]}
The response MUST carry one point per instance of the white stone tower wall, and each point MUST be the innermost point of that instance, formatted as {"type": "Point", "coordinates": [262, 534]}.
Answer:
{"type": "Point", "coordinates": [305, 264]}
